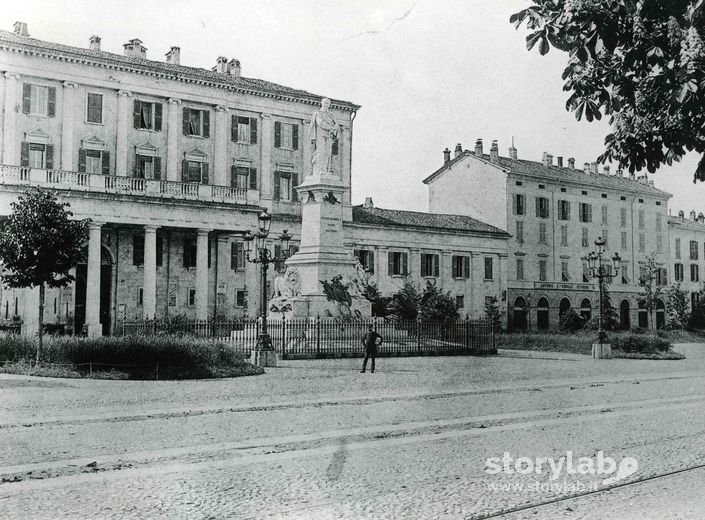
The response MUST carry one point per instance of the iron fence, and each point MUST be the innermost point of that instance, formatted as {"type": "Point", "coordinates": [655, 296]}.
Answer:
{"type": "Point", "coordinates": [302, 338]}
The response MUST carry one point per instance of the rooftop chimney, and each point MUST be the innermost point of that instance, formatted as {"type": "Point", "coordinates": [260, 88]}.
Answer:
{"type": "Point", "coordinates": [513, 152]}
{"type": "Point", "coordinates": [571, 163]}
{"type": "Point", "coordinates": [494, 152]}
{"type": "Point", "coordinates": [94, 43]}
{"type": "Point", "coordinates": [586, 167]}
{"type": "Point", "coordinates": [135, 49]}
{"type": "Point", "coordinates": [446, 156]}
{"type": "Point", "coordinates": [606, 170]}
{"type": "Point", "coordinates": [559, 159]}
{"type": "Point", "coordinates": [651, 183]}
{"type": "Point", "coordinates": [692, 214]}
{"type": "Point", "coordinates": [632, 176]}
{"type": "Point", "coordinates": [174, 55]}
{"type": "Point", "coordinates": [221, 65]}
{"type": "Point", "coordinates": [458, 150]}
{"type": "Point", "coordinates": [681, 214]}
{"type": "Point", "coordinates": [549, 160]}
{"type": "Point", "coordinates": [478, 147]}
{"type": "Point", "coordinates": [234, 68]}
{"type": "Point", "coordinates": [701, 218]}
{"type": "Point", "coordinates": [368, 203]}
{"type": "Point", "coordinates": [593, 167]}
{"type": "Point", "coordinates": [21, 29]}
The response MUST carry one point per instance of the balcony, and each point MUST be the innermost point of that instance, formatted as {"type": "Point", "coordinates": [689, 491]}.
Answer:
{"type": "Point", "coordinates": [97, 183]}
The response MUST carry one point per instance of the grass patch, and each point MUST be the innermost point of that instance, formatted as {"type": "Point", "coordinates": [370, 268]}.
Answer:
{"type": "Point", "coordinates": [667, 355]}
{"type": "Point", "coordinates": [578, 343]}
{"type": "Point", "coordinates": [126, 357]}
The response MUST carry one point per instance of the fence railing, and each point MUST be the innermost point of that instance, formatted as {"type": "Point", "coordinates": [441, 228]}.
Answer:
{"type": "Point", "coordinates": [331, 337]}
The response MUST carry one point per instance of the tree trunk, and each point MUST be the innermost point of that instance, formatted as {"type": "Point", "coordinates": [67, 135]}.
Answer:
{"type": "Point", "coordinates": [41, 322]}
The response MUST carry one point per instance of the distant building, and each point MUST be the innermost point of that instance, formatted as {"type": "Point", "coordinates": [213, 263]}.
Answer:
{"type": "Point", "coordinates": [687, 243]}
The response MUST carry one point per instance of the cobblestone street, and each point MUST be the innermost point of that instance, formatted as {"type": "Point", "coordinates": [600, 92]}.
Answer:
{"type": "Point", "coordinates": [317, 439]}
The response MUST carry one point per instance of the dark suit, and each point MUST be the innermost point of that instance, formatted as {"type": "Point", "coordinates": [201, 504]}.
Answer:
{"type": "Point", "coordinates": [370, 341]}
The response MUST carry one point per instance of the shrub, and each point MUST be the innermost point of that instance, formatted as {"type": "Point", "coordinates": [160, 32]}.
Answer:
{"type": "Point", "coordinates": [643, 343]}
{"type": "Point", "coordinates": [572, 321]}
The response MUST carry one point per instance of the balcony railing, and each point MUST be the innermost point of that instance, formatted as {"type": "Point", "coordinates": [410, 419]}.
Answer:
{"type": "Point", "coordinates": [92, 182]}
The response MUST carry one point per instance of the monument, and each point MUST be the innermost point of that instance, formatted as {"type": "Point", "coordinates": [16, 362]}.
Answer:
{"type": "Point", "coordinates": [322, 278]}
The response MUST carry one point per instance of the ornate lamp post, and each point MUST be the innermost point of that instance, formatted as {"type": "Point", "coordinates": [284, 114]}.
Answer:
{"type": "Point", "coordinates": [604, 272]}
{"type": "Point", "coordinates": [263, 354]}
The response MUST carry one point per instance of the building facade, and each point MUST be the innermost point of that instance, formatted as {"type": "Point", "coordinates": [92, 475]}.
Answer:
{"type": "Point", "coordinates": [555, 212]}
{"type": "Point", "coordinates": [687, 244]}
{"type": "Point", "coordinates": [173, 164]}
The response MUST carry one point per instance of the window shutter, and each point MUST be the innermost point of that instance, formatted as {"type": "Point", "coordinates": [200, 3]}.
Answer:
{"type": "Point", "coordinates": [404, 264]}
{"type": "Point", "coordinates": [253, 178]}
{"type": "Point", "coordinates": [371, 266]}
{"type": "Point", "coordinates": [49, 157]}
{"type": "Point", "coordinates": [277, 187]}
{"type": "Point", "coordinates": [233, 176]}
{"type": "Point", "coordinates": [106, 163]}
{"type": "Point", "coordinates": [186, 259]}
{"type": "Point", "coordinates": [514, 204]}
{"type": "Point", "coordinates": [158, 117]}
{"type": "Point", "coordinates": [436, 267]}
{"type": "Point", "coordinates": [253, 130]}
{"type": "Point", "coordinates": [204, 173]}
{"type": "Point", "coordinates": [233, 128]}
{"type": "Point", "coordinates": [294, 183]}
{"type": "Point", "coordinates": [589, 208]}
{"type": "Point", "coordinates": [295, 137]}
{"type": "Point", "coordinates": [185, 122]}
{"type": "Point", "coordinates": [24, 151]}
{"type": "Point", "coordinates": [567, 210]}
{"type": "Point", "coordinates": [51, 104]}
{"type": "Point", "coordinates": [184, 171]}
{"type": "Point", "coordinates": [277, 134]}
{"type": "Point", "coordinates": [466, 267]}
{"type": "Point", "coordinates": [390, 263]}
{"type": "Point", "coordinates": [356, 254]}
{"type": "Point", "coordinates": [82, 160]}
{"type": "Point", "coordinates": [334, 147]}
{"type": "Point", "coordinates": [136, 115]}
{"type": "Point", "coordinates": [26, 97]}
{"type": "Point", "coordinates": [538, 207]}
{"type": "Point", "coordinates": [233, 257]}
{"type": "Point", "coordinates": [157, 168]}
{"type": "Point", "coordinates": [206, 123]}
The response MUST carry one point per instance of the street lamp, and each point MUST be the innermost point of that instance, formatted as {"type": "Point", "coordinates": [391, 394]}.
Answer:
{"type": "Point", "coordinates": [604, 272]}
{"type": "Point", "coordinates": [260, 254]}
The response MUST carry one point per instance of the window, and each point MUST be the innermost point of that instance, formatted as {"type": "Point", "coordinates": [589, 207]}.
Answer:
{"type": "Point", "coordinates": [243, 177]}
{"type": "Point", "coordinates": [662, 275]}
{"type": "Point", "coordinates": [94, 108]}
{"type": "Point", "coordinates": [624, 240]}
{"type": "Point", "coordinates": [585, 241]}
{"type": "Point", "coordinates": [138, 250]}
{"type": "Point", "coordinates": [196, 122]}
{"type": "Point", "coordinates": [586, 275]}
{"type": "Point", "coordinates": [563, 210]}
{"type": "Point", "coordinates": [488, 268]}
{"type": "Point", "coordinates": [519, 183]}
{"type": "Point", "coordinates": [564, 235]}
{"type": "Point", "coordinates": [94, 161]}
{"type": "Point", "coordinates": [625, 274]}
{"type": "Point", "coordinates": [542, 233]}
{"type": "Point", "coordinates": [148, 167]}
{"type": "Point", "coordinates": [693, 250]}
{"type": "Point", "coordinates": [140, 297]}
{"type": "Point", "coordinates": [519, 205]}
{"type": "Point", "coordinates": [286, 136]}
{"type": "Point", "coordinates": [605, 238]}
{"type": "Point", "coordinates": [37, 155]}
{"type": "Point", "coordinates": [642, 242]}
{"type": "Point", "coordinates": [237, 256]}
{"type": "Point", "coordinates": [565, 275]}
{"type": "Point", "coordinates": [623, 217]}
{"type": "Point", "coordinates": [398, 263]}
{"type": "Point", "coordinates": [604, 215]}
{"type": "Point", "coordinates": [659, 222]}
{"type": "Point", "coordinates": [147, 115]}
{"type": "Point", "coordinates": [641, 219]}
{"type": "Point", "coordinates": [461, 266]}
{"type": "Point", "coordinates": [244, 130]}
{"type": "Point", "coordinates": [240, 298]}
{"type": "Point", "coordinates": [678, 272]}
{"type": "Point", "coordinates": [189, 253]}
{"type": "Point", "coordinates": [678, 248]}
{"type": "Point", "coordinates": [38, 100]}
{"type": "Point", "coordinates": [191, 297]}
{"type": "Point", "coordinates": [429, 264]}
{"type": "Point", "coordinates": [520, 232]}
{"type": "Point", "coordinates": [659, 243]}
{"type": "Point", "coordinates": [694, 273]}
{"type": "Point", "coordinates": [460, 301]}
{"type": "Point", "coordinates": [542, 270]}
{"type": "Point", "coordinates": [195, 170]}
{"type": "Point", "coordinates": [541, 207]}
{"type": "Point", "coordinates": [520, 268]}
{"type": "Point", "coordinates": [585, 212]}
{"type": "Point", "coordinates": [284, 183]}
{"type": "Point", "coordinates": [604, 195]}
{"type": "Point", "coordinates": [366, 257]}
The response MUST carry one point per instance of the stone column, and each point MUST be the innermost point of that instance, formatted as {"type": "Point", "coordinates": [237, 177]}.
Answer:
{"type": "Point", "coordinates": [266, 190]}
{"type": "Point", "coordinates": [124, 112]}
{"type": "Point", "coordinates": [415, 266]}
{"type": "Point", "coordinates": [446, 270]}
{"type": "Point", "coordinates": [220, 154]}
{"type": "Point", "coordinates": [306, 148]}
{"type": "Point", "coordinates": [149, 287]}
{"type": "Point", "coordinates": [173, 131]}
{"type": "Point", "coordinates": [224, 299]}
{"type": "Point", "coordinates": [93, 281]}
{"type": "Point", "coordinates": [382, 267]}
{"type": "Point", "coordinates": [502, 286]}
{"type": "Point", "coordinates": [476, 277]}
{"type": "Point", "coordinates": [10, 145]}
{"type": "Point", "coordinates": [67, 117]}
{"type": "Point", "coordinates": [2, 117]}
{"type": "Point", "coordinates": [202, 274]}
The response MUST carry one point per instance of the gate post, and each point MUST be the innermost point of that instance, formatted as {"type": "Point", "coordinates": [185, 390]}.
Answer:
{"type": "Point", "coordinates": [318, 335]}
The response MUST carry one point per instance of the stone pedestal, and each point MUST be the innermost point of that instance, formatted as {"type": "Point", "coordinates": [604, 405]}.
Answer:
{"type": "Point", "coordinates": [263, 358]}
{"type": "Point", "coordinates": [601, 351]}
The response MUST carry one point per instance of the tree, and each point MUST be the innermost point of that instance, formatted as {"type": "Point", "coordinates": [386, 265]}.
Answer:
{"type": "Point", "coordinates": [39, 245]}
{"type": "Point", "coordinates": [405, 302]}
{"type": "Point", "coordinates": [437, 305]}
{"type": "Point", "coordinates": [492, 313]}
{"type": "Point", "coordinates": [651, 289]}
{"type": "Point", "coordinates": [380, 304]}
{"type": "Point", "coordinates": [678, 305]}
{"type": "Point", "coordinates": [640, 62]}
{"type": "Point", "coordinates": [610, 318]}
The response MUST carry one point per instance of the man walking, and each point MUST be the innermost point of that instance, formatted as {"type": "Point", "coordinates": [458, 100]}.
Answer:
{"type": "Point", "coordinates": [371, 340]}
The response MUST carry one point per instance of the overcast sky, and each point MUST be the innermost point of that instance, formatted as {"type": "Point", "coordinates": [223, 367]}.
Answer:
{"type": "Point", "coordinates": [428, 74]}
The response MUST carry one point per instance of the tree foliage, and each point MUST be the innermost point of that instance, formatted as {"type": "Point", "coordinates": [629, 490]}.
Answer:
{"type": "Point", "coordinates": [610, 317]}
{"type": "Point", "coordinates": [492, 312]}
{"type": "Point", "coordinates": [639, 62]}
{"type": "Point", "coordinates": [380, 303]}
{"type": "Point", "coordinates": [437, 305]}
{"type": "Point", "coordinates": [677, 305]}
{"type": "Point", "coordinates": [405, 301]}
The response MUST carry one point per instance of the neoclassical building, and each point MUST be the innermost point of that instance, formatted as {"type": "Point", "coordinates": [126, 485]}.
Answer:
{"type": "Point", "coordinates": [555, 212]}
{"type": "Point", "coordinates": [173, 164]}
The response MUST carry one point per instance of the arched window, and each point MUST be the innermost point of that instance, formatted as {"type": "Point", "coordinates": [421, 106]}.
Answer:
{"type": "Point", "coordinates": [519, 314]}
{"type": "Point", "coordinates": [643, 314]}
{"type": "Point", "coordinates": [586, 309]}
{"type": "Point", "coordinates": [542, 314]}
{"type": "Point", "coordinates": [624, 320]}
{"type": "Point", "coordinates": [660, 314]}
